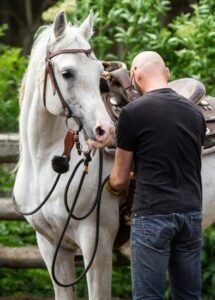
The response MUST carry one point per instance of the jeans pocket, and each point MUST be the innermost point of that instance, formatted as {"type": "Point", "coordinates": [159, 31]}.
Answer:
{"type": "Point", "coordinates": [157, 233]}
{"type": "Point", "coordinates": [195, 241]}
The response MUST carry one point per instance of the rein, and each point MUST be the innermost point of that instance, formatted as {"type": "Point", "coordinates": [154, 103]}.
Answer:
{"type": "Point", "coordinates": [49, 71]}
{"type": "Point", "coordinates": [96, 203]}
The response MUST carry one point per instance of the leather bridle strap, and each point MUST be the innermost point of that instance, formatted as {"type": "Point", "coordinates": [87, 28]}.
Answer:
{"type": "Point", "coordinates": [87, 52]}
{"type": "Point", "coordinates": [50, 71]}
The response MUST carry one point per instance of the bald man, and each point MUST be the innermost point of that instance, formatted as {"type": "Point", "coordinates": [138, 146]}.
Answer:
{"type": "Point", "coordinates": [162, 134]}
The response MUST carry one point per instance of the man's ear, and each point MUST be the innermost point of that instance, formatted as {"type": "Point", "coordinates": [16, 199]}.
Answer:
{"type": "Point", "coordinates": [137, 78]}
{"type": "Point", "coordinates": [138, 75]}
{"type": "Point", "coordinates": [167, 74]}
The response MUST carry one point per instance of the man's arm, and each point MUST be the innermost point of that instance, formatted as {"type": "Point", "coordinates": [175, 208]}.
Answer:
{"type": "Point", "coordinates": [120, 174]}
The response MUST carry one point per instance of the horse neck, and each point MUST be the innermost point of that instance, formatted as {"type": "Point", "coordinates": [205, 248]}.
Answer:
{"type": "Point", "coordinates": [40, 132]}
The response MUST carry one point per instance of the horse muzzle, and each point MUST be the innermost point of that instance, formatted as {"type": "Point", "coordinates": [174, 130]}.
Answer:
{"type": "Point", "coordinates": [104, 136]}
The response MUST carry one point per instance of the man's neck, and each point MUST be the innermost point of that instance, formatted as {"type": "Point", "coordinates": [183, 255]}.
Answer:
{"type": "Point", "coordinates": [156, 86]}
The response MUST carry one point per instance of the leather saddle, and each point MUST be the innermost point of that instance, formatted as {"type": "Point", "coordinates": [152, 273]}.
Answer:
{"type": "Point", "coordinates": [117, 91]}
{"type": "Point", "coordinates": [116, 88]}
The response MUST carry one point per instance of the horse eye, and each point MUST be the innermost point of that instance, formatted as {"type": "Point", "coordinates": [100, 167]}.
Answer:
{"type": "Point", "coordinates": [68, 74]}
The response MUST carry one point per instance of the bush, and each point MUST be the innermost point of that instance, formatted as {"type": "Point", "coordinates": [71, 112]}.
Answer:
{"type": "Point", "coordinates": [208, 264]}
{"type": "Point", "coordinates": [190, 49]}
{"type": "Point", "coordinates": [12, 67]}
{"type": "Point", "coordinates": [122, 28]}
{"type": "Point", "coordinates": [25, 282]}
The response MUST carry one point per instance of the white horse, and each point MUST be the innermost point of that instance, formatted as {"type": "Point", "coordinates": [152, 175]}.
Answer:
{"type": "Point", "coordinates": [42, 131]}
{"type": "Point", "coordinates": [208, 184]}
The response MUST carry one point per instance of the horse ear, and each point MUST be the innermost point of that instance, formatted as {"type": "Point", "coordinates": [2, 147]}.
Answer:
{"type": "Point", "coordinates": [59, 25]}
{"type": "Point", "coordinates": [86, 28]}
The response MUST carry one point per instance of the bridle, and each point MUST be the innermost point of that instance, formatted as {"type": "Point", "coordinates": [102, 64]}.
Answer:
{"type": "Point", "coordinates": [106, 76]}
{"type": "Point", "coordinates": [49, 71]}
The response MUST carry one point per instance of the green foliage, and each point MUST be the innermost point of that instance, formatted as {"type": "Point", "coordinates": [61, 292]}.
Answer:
{"type": "Point", "coordinates": [28, 282]}
{"type": "Point", "coordinates": [190, 49]}
{"type": "Point", "coordinates": [12, 66]}
{"type": "Point", "coordinates": [123, 27]}
{"type": "Point", "coordinates": [3, 28]}
{"type": "Point", "coordinates": [67, 6]}
{"type": "Point", "coordinates": [208, 264]}
{"type": "Point", "coordinates": [16, 233]}
{"type": "Point", "coordinates": [6, 178]}
{"type": "Point", "coordinates": [121, 281]}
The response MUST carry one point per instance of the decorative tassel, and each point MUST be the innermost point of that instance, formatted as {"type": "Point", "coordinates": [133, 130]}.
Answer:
{"type": "Point", "coordinates": [60, 164]}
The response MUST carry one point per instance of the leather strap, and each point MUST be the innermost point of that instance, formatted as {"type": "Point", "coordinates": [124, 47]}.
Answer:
{"type": "Point", "coordinates": [87, 52]}
{"type": "Point", "coordinates": [69, 142]}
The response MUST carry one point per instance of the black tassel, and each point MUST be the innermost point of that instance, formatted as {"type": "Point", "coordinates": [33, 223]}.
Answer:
{"type": "Point", "coordinates": [60, 164]}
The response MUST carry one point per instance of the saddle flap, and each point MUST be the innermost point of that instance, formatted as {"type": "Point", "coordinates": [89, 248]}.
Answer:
{"type": "Point", "coordinates": [116, 87]}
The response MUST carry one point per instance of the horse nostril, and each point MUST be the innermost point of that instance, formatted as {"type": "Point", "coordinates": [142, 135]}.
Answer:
{"type": "Point", "coordinates": [100, 131]}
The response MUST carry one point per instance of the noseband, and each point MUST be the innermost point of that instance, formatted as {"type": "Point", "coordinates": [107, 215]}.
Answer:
{"type": "Point", "coordinates": [49, 71]}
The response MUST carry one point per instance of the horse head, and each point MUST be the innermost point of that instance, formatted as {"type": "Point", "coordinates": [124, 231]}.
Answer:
{"type": "Point", "coordinates": [73, 81]}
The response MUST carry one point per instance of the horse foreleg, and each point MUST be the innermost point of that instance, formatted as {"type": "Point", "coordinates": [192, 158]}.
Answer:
{"type": "Point", "coordinates": [100, 274]}
{"type": "Point", "coordinates": [64, 268]}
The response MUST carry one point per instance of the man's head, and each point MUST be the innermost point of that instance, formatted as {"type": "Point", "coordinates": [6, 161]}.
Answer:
{"type": "Point", "coordinates": [148, 71]}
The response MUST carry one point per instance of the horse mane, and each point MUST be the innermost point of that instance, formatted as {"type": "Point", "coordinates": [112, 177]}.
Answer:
{"type": "Point", "coordinates": [22, 88]}
{"type": "Point", "coordinates": [37, 37]}
{"type": "Point", "coordinates": [40, 33]}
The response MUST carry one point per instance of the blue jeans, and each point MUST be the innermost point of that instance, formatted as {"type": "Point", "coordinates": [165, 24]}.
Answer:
{"type": "Point", "coordinates": [166, 242]}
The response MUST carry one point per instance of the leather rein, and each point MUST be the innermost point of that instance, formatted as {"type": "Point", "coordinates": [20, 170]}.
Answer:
{"type": "Point", "coordinates": [49, 71]}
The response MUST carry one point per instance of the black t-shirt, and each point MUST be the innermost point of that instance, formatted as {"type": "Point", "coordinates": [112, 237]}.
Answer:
{"type": "Point", "coordinates": [165, 131]}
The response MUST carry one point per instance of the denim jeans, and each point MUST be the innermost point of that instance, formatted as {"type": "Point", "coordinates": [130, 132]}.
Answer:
{"type": "Point", "coordinates": [166, 242]}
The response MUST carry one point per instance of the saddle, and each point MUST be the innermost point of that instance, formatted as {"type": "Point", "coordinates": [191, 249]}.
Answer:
{"type": "Point", "coordinates": [116, 88]}
{"type": "Point", "coordinates": [117, 91]}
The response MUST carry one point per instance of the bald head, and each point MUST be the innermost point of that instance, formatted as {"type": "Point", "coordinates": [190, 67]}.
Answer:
{"type": "Point", "coordinates": [148, 61]}
{"type": "Point", "coordinates": [148, 71]}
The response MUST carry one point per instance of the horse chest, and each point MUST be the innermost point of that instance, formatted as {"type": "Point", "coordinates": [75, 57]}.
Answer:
{"type": "Point", "coordinates": [51, 226]}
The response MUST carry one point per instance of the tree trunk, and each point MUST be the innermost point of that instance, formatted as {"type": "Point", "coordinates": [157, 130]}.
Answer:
{"type": "Point", "coordinates": [23, 19]}
{"type": "Point", "coordinates": [177, 7]}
